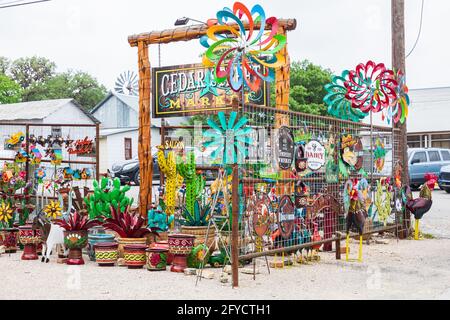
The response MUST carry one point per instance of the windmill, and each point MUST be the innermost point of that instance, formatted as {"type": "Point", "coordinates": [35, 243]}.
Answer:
{"type": "Point", "coordinates": [127, 83]}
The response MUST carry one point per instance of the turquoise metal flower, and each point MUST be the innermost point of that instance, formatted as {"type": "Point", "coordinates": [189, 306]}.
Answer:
{"type": "Point", "coordinates": [230, 138]}
{"type": "Point", "coordinates": [338, 105]}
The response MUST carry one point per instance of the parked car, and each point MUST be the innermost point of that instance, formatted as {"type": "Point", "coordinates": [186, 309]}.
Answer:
{"type": "Point", "coordinates": [426, 160]}
{"type": "Point", "coordinates": [128, 171]}
{"type": "Point", "coordinates": [444, 179]}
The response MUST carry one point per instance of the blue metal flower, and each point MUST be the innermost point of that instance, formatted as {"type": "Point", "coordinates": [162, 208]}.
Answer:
{"type": "Point", "coordinates": [229, 137]}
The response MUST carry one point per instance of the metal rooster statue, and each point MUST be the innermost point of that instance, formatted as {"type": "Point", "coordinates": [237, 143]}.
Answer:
{"type": "Point", "coordinates": [418, 207]}
{"type": "Point", "coordinates": [356, 214]}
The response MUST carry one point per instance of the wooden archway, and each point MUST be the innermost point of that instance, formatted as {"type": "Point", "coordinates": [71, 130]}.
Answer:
{"type": "Point", "coordinates": [142, 42]}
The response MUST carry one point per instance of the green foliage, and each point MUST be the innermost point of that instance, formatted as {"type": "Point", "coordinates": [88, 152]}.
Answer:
{"type": "Point", "coordinates": [307, 88]}
{"type": "Point", "coordinates": [196, 218]}
{"type": "Point", "coordinates": [28, 71]}
{"type": "Point", "coordinates": [107, 193]}
{"type": "Point", "coordinates": [10, 92]}
{"type": "Point", "coordinates": [77, 85]}
{"type": "Point", "coordinates": [37, 78]}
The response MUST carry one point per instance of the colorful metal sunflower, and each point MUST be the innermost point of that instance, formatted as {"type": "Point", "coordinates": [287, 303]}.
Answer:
{"type": "Point", "coordinates": [6, 212]}
{"type": "Point", "coordinates": [241, 57]}
{"type": "Point", "coordinates": [371, 87]}
{"type": "Point", "coordinates": [338, 105]}
{"type": "Point", "coordinates": [53, 210]}
{"type": "Point", "coordinates": [230, 138]}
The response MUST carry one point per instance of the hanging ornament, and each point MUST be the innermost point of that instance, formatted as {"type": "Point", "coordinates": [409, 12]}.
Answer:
{"type": "Point", "coordinates": [53, 210]}
{"type": "Point", "coordinates": [379, 154]}
{"type": "Point", "coordinates": [236, 54]}
{"type": "Point", "coordinates": [39, 175]}
{"type": "Point", "coordinates": [371, 87]}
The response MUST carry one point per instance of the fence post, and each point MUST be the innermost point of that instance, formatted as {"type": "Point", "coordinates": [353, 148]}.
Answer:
{"type": "Point", "coordinates": [235, 218]}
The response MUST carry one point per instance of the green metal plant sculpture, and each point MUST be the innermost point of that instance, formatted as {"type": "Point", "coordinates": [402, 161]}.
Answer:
{"type": "Point", "coordinates": [195, 183]}
{"type": "Point", "coordinates": [168, 167]}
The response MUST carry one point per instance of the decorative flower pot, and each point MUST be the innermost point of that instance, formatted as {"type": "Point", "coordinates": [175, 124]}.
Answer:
{"type": "Point", "coordinates": [97, 237]}
{"type": "Point", "coordinates": [10, 237]}
{"type": "Point", "coordinates": [30, 239]}
{"type": "Point", "coordinates": [75, 241]}
{"type": "Point", "coordinates": [106, 253]}
{"type": "Point", "coordinates": [157, 259]}
{"type": "Point", "coordinates": [180, 245]}
{"type": "Point", "coordinates": [164, 245]}
{"type": "Point", "coordinates": [129, 241]}
{"type": "Point", "coordinates": [200, 234]}
{"type": "Point", "coordinates": [134, 255]}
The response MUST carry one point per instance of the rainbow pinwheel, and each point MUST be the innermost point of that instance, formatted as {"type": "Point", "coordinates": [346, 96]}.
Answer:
{"type": "Point", "coordinates": [338, 105]}
{"type": "Point", "coordinates": [244, 57]}
{"type": "Point", "coordinates": [398, 110]}
{"type": "Point", "coordinates": [229, 138]}
{"type": "Point", "coordinates": [371, 87]}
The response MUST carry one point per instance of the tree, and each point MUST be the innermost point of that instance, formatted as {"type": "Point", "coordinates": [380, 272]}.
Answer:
{"type": "Point", "coordinates": [4, 65]}
{"type": "Point", "coordinates": [307, 88]}
{"type": "Point", "coordinates": [10, 92]}
{"type": "Point", "coordinates": [77, 85]}
{"type": "Point", "coordinates": [29, 71]}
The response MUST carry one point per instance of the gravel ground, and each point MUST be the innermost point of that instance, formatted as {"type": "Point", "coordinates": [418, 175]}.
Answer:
{"type": "Point", "coordinates": [398, 270]}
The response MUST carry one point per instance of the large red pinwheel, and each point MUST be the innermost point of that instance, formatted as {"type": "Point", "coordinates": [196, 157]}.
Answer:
{"type": "Point", "coordinates": [243, 57]}
{"type": "Point", "coordinates": [371, 87]}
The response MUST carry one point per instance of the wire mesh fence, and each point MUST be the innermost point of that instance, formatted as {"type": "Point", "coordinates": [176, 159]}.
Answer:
{"type": "Point", "coordinates": [293, 177]}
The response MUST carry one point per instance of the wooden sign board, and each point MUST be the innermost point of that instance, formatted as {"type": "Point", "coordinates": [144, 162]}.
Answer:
{"type": "Point", "coordinates": [186, 90]}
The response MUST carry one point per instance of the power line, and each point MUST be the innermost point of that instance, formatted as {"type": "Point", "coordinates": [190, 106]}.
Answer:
{"type": "Point", "coordinates": [14, 4]}
{"type": "Point", "coordinates": [420, 30]}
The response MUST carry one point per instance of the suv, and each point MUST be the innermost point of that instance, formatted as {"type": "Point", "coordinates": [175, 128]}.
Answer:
{"type": "Point", "coordinates": [426, 160]}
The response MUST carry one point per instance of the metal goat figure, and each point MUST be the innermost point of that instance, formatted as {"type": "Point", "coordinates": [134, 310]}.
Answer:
{"type": "Point", "coordinates": [52, 234]}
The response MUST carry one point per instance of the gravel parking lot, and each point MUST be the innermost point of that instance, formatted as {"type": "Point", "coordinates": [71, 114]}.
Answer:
{"type": "Point", "coordinates": [397, 270]}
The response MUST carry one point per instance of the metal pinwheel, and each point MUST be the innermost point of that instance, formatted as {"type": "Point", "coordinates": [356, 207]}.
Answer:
{"type": "Point", "coordinates": [338, 105]}
{"type": "Point", "coordinates": [230, 138]}
{"type": "Point", "coordinates": [371, 87]}
{"type": "Point", "coordinates": [398, 110]}
{"type": "Point", "coordinates": [244, 57]}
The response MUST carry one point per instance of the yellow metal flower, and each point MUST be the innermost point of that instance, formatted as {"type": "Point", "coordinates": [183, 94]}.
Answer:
{"type": "Point", "coordinates": [5, 212]}
{"type": "Point", "coordinates": [53, 210]}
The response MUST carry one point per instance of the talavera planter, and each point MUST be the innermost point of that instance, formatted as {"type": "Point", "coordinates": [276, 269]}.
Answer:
{"type": "Point", "coordinates": [134, 255]}
{"type": "Point", "coordinates": [30, 239]}
{"type": "Point", "coordinates": [75, 241]}
{"type": "Point", "coordinates": [106, 253]}
{"type": "Point", "coordinates": [157, 259]}
{"type": "Point", "coordinates": [180, 245]}
{"type": "Point", "coordinates": [9, 238]}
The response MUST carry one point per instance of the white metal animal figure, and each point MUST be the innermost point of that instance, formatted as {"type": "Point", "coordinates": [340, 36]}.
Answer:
{"type": "Point", "coordinates": [52, 235]}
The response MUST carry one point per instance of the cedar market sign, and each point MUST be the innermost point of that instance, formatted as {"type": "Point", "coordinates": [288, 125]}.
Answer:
{"type": "Point", "coordinates": [286, 148]}
{"type": "Point", "coordinates": [315, 153]}
{"type": "Point", "coordinates": [185, 90]}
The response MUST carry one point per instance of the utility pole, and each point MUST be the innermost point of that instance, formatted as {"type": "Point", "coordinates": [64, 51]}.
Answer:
{"type": "Point", "coordinates": [398, 63]}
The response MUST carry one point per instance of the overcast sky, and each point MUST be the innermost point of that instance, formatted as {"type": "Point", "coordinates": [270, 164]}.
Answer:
{"type": "Point", "coordinates": [91, 35]}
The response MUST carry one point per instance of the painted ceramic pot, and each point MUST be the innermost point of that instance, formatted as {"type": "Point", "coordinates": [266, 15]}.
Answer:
{"type": "Point", "coordinates": [75, 241]}
{"type": "Point", "coordinates": [180, 245]}
{"type": "Point", "coordinates": [129, 241]}
{"type": "Point", "coordinates": [93, 239]}
{"type": "Point", "coordinates": [165, 246]}
{"type": "Point", "coordinates": [134, 255]}
{"type": "Point", "coordinates": [29, 238]}
{"type": "Point", "coordinates": [157, 259]}
{"type": "Point", "coordinates": [10, 237]}
{"type": "Point", "coordinates": [106, 253]}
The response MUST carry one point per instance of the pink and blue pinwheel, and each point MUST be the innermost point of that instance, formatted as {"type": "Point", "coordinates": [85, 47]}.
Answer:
{"type": "Point", "coordinates": [231, 139]}
{"type": "Point", "coordinates": [338, 105]}
{"type": "Point", "coordinates": [371, 87]}
{"type": "Point", "coordinates": [244, 57]}
{"type": "Point", "coordinates": [398, 110]}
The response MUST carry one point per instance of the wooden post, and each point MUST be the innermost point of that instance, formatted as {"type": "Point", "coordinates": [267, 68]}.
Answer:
{"type": "Point", "coordinates": [97, 151]}
{"type": "Point", "coordinates": [144, 143]}
{"type": "Point", "coordinates": [283, 86]}
{"type": "Point", "coordinates": [235, 218]}
{"type": "Point", "coordinates": [398, 63]}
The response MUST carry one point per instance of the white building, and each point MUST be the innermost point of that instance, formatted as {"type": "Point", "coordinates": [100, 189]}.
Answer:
{"type": "Point", "coordinates": [119, 129]}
